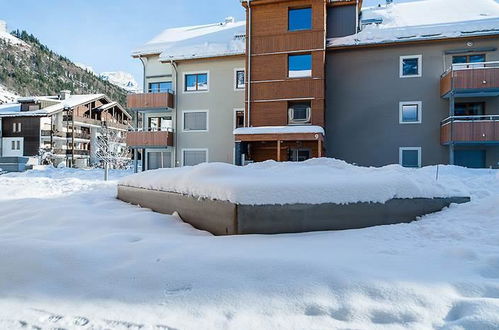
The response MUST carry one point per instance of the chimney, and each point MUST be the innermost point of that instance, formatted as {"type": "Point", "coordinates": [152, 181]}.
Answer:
{"type": "Point", "coordinates": [65, 94]}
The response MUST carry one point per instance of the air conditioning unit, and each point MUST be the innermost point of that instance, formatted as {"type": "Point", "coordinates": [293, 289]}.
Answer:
{"type": "Point", "coordinates": [299, 115]}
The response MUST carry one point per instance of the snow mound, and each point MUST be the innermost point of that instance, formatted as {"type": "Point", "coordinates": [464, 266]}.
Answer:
{"type": "Point", "coordinates": [6, 36]}
{"type": "Point", "coordinates": [315, 181]}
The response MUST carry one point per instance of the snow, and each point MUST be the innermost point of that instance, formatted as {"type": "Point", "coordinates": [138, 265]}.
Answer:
{"type": "Point", "coordinates": [6, 36]}
{"type": "Point", "coordinates": [201, 41]}
{"type": "Point", "coordinates": [6, 96]}
{"type": "Point", "coordinates": [59, 105]}
{"type": "Point", "coordinates": [279, 129]}
{"type": "Point", "coordinates": [425, 19]}
{"type": "Point", "coordinates": [75, 257]}
{"type": "Point", "coordinates": [315, 181]}
{"type": "Point", "coordinates": [122, 79]}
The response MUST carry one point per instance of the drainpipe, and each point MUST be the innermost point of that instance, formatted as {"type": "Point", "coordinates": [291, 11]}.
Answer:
{"type": "Point", "coordinates": [144, 90]}
{"type": "Point", "coordinates": [175, 102]}
{"type": "Point", "coordinates": [248, 51]}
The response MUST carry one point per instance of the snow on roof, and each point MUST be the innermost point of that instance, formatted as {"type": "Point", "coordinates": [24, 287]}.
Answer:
{"type": "Point", "coordinates": [425, 19]}
{"type": "Point", "coordinates": [279, 130]}
{"type": "Point", "coordinates": [8, 108]}
{"type": "Point", "coordinates": [315, 181]}
{"type": "Point", "coordinates": [201, 41]}
{"type": "Point", "coordinates": [72, 101]}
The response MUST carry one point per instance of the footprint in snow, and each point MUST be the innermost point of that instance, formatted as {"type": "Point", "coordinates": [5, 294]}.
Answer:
{"type": "Point", "coordinates": [124, 324]}
{"type": "Point", "coordinates": [177, 291]}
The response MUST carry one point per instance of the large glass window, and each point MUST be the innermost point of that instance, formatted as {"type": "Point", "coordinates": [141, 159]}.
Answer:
{"type": "Point", "coordinates": [196, 82]}
{"type": "Point", "coordinates": [195, 121]}
{"type": "Point", "coordinates": [469, 109]}
{"type": "Point", "coordinates": [410, 112]}
{"type": "Point", "coordinates": [299, 19]}
{"type": "Point", "coordinates": [160, 123]}
{"type": "Point", "coordinates": [160, 87]}
{"type": "Point", "coordinates": [410, 157]}
{"type": "Point", "coordinates": [459, 59]}
{"type": "Point", "coordinates": [300, 65]}
{"type": "Point", "coordinates": [410, 66]}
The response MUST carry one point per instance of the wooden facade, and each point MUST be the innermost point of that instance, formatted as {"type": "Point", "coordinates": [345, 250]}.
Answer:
{"type": "Point", "coordinates": [470, 131]}
{"type": "Point", "coordinates": [149, 139]}
{"type": "Point", "coordinates": [470, 79]}
{"type": "Point", "coordinates": [270, 43]}
{"type": "Point", "coordinates": [30, 132]}
{"type": "Point", "coordinates": [150, 101]}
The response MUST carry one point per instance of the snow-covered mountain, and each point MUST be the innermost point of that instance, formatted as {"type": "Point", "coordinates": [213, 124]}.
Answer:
{"type": "Point", "coordinates": [6, 36]}
{"type": "Point", "coordinates": [7, 96]}
{"type": "Point", "coordinates": [121, 79]}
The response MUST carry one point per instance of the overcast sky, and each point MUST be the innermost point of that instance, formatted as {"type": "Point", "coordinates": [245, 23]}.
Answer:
{"type": "Point", "coordinates": [102, 33]}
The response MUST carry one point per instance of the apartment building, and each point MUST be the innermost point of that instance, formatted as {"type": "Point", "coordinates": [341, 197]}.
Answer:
{"type": "Point", "coordinates": [66, 126]}
{"type": "Point", "coordinates": [410, 83]}
{"type": "Point", "coordinates": [193, 95]}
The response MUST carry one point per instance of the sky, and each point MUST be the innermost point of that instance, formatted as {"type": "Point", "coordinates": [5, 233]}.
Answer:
{"type": "Point", "coordinates": [102, 33]}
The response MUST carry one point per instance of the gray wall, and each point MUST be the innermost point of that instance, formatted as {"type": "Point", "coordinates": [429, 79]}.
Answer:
{"type": "Point", "coordinates": [341, 21]}
{"type": "Point", "coordinates": [362, 104]}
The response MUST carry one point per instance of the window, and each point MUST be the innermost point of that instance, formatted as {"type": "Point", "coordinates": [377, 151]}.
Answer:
{"type": "Point", "coordinates": [192, 157]}
{"type": "Point", "coordinates": [299, 155]}
{"type": "Point", "coordinates": [159, 159]}
{"type": "Point", "coordinates": [196, 82]}
{"type": "Point", "coordinates": [299, 19]}
{"type": "Point", "coordinates": [410, 157]}
{"type": "Point", "coordinates": [195, 121]}
{"type": "Point", "coordinates": [411, 66]}
{"type": "Point", "coordinates": [299, 112]}
{"type": "Point", "coordinates": [469, 109]}
{"type": "Point", "coordinates": [239, 79]}
{"type": "Point", "coordinates": [300, 65]}
{"type": "Point", "coordinates": [160, 87]}
{"type": "Point", "coordinates": [15, 145]}
{"type": "Point", "coordinates": [160, 123]}
{"type": "Point", "coordinates": [410, 112]}
{"type": "Point", "coordinates": [239, 118]}
{"type": "Point", "coordinates": [16, 128]}
{"type": "Point", "coordinates": [468, 59]}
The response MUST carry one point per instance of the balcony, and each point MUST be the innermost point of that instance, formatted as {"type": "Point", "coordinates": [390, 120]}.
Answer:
{"type": "Point", "coordinates": [149, 139]}
{"type": "Point", "coordinates": [470, 130]}
{"type": "Point", "coordinates": [77, 152]}
{"type": "Point", "coordinates": [471, 80]}
{"type": "Point", "coordinates": [150, 101]}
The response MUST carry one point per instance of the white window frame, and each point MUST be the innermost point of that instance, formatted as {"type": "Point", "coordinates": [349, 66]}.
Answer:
{"type": "Point", "coordinates": [195, 149]}
{"type": "Point", "coordinates": [402, 149]}
{"type": "Point", "coordinates": [420, 66]}
{"type": "Point", "coordinates": [234, 119]}
{"type": "Point", "coordinates": [184, 74]}
{"type": "Point", "coordinates": [235, 79]}
{"type": "Point", "coordinates": [196, 131]}
{"type": "Point", "coordinates": [420, 112]}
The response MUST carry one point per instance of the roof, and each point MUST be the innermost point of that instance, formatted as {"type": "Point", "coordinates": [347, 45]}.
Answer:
{"type": "Point", "coordinates": [424, 20]}
{"type": "Point", "coordinates": [200, 41]}
{"type": "Point", "coordinates": [72, 101]}
{"type": "Point", "coordinates": [279, 130]}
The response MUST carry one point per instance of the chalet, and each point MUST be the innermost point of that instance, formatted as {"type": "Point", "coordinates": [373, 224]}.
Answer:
{"type": "Point", "coordinates": [66, 126]}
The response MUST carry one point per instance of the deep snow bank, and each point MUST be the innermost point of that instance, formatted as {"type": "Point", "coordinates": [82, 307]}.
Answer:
{"type": "Point", "coordinates": [315, 181]}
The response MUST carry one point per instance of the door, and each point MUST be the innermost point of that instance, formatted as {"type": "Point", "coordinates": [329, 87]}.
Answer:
{"type": "Point", "coordinates": [13, 147]}
{"type": "Point", "coordinates": [470, 158]}
{"type": "Point", "coordinates": [299, 155]}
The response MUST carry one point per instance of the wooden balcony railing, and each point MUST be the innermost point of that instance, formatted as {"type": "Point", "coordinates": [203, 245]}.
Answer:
{"type": "Point", "coordinates": [149, 139]}
{"type": "Point", "coordinates": [150, 101]}
{"type": "Point", "coordinates": [471, 77]}
{"type": "Point", "coordinates": [470, 130]}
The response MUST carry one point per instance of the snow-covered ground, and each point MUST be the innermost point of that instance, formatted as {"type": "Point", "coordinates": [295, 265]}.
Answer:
{"type": "Point", "coordinates": [74, 257]}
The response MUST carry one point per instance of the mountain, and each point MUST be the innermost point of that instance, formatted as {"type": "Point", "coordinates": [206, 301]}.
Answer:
{"type": "Point", "coordinates": [122, 79]}
{"type": "Point", "coordinates": [7, 96]}
{"type": "Point", "coordinates": [27, 67]}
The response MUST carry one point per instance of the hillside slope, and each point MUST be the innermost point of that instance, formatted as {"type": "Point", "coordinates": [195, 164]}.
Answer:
{"type": "Point", "coordinates": [27, 67]}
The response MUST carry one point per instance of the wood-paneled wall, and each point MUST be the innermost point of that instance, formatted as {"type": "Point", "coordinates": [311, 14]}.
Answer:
{"type": "Point", "coordinates": [271, 43]}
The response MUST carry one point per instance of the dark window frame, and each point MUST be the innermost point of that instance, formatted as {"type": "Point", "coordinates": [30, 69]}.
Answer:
{"type": "Point", "coordinates": [197, 75]}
